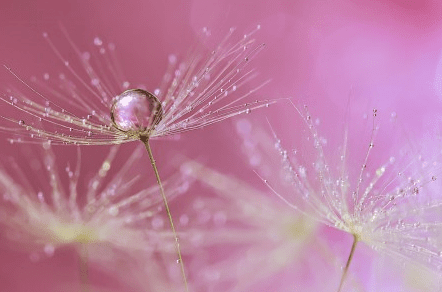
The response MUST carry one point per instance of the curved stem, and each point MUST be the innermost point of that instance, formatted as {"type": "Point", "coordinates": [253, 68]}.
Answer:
{"type": "Point", "coordinates": [350, 257]}
{"type": "Point", "coordinates": [166, 206]}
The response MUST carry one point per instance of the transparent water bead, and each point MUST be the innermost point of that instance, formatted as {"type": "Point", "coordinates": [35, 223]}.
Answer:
{"type": "Point", "coordinates": [136, 112]}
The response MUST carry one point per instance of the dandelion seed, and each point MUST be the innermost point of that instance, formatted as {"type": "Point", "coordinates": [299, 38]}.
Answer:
{"type": "Point", "coordinates": [95, 222]}
{"type": "Point", "coordinates": [205, 90]}
{"type": "Point", "coordinates": [393, 212]}
{"type": "Point", "coordinates": [195, 93]}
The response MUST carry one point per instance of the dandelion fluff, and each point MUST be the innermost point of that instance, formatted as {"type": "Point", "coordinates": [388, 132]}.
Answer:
{"type": "Point", "coordinates": [103, 110]}
{"type": "Point", "coordinates": [75, 108]}
{"type": "Point", "coordinates": [392, 207]}
{"type": "Point", "coordinates": [106, 222]}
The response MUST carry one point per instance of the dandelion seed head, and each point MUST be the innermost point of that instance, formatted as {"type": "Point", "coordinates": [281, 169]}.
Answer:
{"type": "Point", "coordinates": [389, 202]}
{"type": "Point", "coordinates": [354, 187]}
{"type": "Point", "coordinates": [85, 106]}
{"type": "Point", "coordinates": [113, 214]}
{"type": "Point", "coordinates": [257, 236]}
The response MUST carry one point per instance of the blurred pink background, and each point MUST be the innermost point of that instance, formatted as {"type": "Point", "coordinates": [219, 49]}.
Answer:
{"type": "Point", "coordinates": [377, 54]}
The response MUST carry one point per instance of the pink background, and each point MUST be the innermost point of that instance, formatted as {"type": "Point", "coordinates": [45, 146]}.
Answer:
{"type": "Point", "coordinates": [378, 54]}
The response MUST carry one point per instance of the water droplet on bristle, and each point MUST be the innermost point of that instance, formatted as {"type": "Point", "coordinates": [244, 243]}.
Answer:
{"type": "Point", "coordinates": [136, 112]}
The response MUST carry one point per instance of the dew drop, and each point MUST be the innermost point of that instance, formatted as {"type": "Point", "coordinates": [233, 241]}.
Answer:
{"type": "Point", "coordinates": [172, 59]}
{"type": "Point", "coordinates": [41, 197]}
{"type": "Point", "coordinates": [47, 144]}
{"type": "Point", "coordinates": [21, 123]}
{"type": "Point", "coordinates": [113, 211]}
{"type": "Point", "coordinates": [98, 41]}
{"type": "Point", "coordinates": [136, 111]}
{"type": "Point", "coordinates": [415, 191]}
{"type": "Point", "coordinates": [49, 250]}
{"type": "Point", "coordinates": [95, 81]}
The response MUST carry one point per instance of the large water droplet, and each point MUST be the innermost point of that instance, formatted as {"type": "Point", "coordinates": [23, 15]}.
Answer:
{"type": "Point", "coordinates": [136, 111]}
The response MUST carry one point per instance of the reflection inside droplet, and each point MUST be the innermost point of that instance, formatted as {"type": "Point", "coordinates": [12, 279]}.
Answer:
{"type": "Point", "coordinates": [136, 111]}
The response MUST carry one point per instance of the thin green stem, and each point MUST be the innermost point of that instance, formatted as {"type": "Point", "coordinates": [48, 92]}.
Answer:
{"type": "Point", "coordinates": [83, 268]}
{"type": "Point", "coordinates": [350, 257]}
{"type": "Point", "coordinates": [169, 215]}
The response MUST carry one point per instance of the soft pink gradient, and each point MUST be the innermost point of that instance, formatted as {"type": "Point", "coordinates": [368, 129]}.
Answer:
{"type": "Point", "coordinates": [326, 54]}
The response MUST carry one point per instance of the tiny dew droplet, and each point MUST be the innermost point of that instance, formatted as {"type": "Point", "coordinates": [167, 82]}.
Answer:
{"type": "Point", "coordinates": [136, 112]}
{"type": "Point", "coordinates": [113, 211]}
{"type": "Point", "coordinates": [98, 41]}
{"type": "Point", "coordinates": [49, 250]}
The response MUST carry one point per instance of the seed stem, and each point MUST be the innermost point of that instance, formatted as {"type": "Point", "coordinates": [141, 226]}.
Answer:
{"type": "Point", "coordinates": [83, 268]}
{"type": "Point", "coordinates": [145, 140]}
{"type": "Point", "coordinates": [350, 257]}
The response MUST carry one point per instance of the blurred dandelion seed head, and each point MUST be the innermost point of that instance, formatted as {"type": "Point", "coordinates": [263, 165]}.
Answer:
{"type": "Point", "coordinates": [250, 236]}
{"type": "Point", "coordinates": [91, 102]}
{"type": "Point", "coordinates": [114, 211]}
